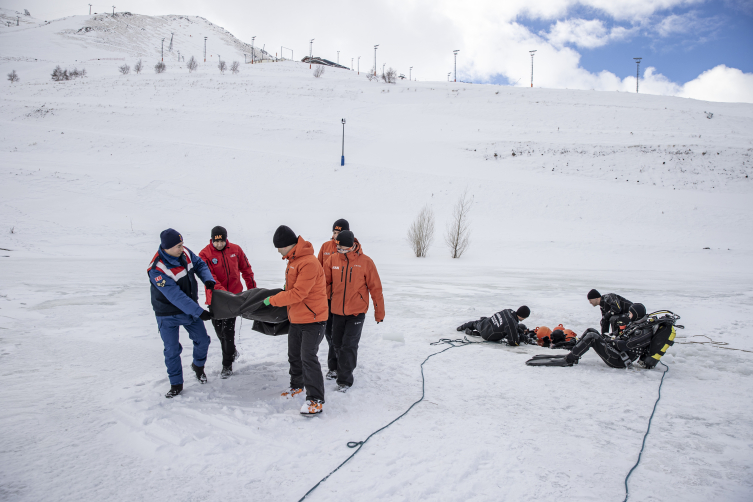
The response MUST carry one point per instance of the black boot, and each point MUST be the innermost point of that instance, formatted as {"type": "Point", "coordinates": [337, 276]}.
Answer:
{"type": "Point", "coordinates": [200, 375]}
{"type": "Point", "coordinates": [227, 371]}
{"type": "Point", "coordinates": [174, 391]}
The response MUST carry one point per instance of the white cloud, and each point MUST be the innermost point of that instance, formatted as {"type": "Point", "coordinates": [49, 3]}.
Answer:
{"type": "Point", "coordinates": [587, 34]}
{"type": "Point", "coordinates": [720, 84]}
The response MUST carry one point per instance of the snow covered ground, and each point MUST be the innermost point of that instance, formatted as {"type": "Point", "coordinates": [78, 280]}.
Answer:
{"type": "Point", "coordinates": [615, 191]}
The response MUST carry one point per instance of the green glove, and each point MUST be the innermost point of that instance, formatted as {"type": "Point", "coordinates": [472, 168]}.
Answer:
{"type": "Point", "coordinates": [266, 301]}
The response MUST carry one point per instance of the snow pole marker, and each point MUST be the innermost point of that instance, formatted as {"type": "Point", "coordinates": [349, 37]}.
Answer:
{"type": "Point", "coordinates": [358, 444]}
{"type": "Point", "coordinates": [648, 429]}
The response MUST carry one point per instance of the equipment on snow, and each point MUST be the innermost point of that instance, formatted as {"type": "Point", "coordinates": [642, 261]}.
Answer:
{"type": "Point", "coordinates": [249, 304]}
{"type": "Point", "coordinates": [174, 391]}
{"type": "Point", "coordinates": [200, 375]}
{"type": "Point", "coordinates": [543, 360]}
{"type": "Point", "coordinates": [664, 327]}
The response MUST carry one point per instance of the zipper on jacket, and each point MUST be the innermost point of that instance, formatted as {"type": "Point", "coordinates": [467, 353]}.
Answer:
{"type": "Point", "coordinates": [345, 284]}
{"type": "Point", "coordinates": [310, 309]}
{"type": "Point", "coordinates": [351, 275]}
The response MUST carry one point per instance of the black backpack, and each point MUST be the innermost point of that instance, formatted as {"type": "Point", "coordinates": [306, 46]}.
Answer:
{"type": "Point", "coordinates": [663, 323]}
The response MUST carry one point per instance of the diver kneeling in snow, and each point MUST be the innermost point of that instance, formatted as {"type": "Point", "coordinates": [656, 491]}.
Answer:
{"type": "Point", "coordinates": [504, 325]}
{"type": "Point", "coordinates": [617, 352]}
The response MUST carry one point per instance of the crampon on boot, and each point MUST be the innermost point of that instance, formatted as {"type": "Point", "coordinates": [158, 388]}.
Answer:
{"type": "Point", "coordinates": [200, 375]}
{"type": "Point", "coordinates": [311, 407]}
{"type": "Point", "coordinates": [291, 393]}
{"type": "Point", "coordinates": [174, 391]}
{"type": "Point", "coordinates": [546, 360]}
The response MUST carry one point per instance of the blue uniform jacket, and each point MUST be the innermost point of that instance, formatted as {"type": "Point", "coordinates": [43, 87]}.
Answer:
{"type": "Point", "coordinates": [173, 285]}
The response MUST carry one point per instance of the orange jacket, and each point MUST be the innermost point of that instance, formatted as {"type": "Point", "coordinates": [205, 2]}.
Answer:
{"type": "Point", "coordinates": [305, 293]}
{"type": "Point", "coordinates": [328, 248]}
{"type": "Point", "coordinates": [351, 277]}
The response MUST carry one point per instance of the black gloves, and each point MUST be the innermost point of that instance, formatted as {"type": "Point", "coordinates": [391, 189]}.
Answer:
{"type": "Point", "coordinates": [209, 285]}
{"type": "Point", "coordinates": [205, 315]}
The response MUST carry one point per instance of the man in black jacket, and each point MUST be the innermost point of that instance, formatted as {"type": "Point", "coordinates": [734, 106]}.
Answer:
{"type": "Point", "coordinates": [618, 352]}
{"type": "Point", "coordinates": [504, 325]}
{"type": "Point", "coordinates": [614, 309]}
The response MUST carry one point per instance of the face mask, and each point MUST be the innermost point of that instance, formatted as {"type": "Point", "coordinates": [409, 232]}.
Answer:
{"type": "Point", "coordinates": [344, 251]}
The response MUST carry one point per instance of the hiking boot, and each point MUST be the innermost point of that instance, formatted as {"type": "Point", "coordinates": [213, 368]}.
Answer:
{"type": "Point", "coordinates": [312, 407]}
{"type": "Point", "coordinates": [236, 356]}
{"type": "Point", "coordinates": [343, 388]}
{"type": "Point", "coordinates": [174, 391]}
{"type": "Point", "coordinates": [331, 375]}
{"type": "Point", "coordinates": [200, 375]}
{"type": "Point", "coordinates": [291, 392]}
{"type": "Point", "coordinates": [227, 371]}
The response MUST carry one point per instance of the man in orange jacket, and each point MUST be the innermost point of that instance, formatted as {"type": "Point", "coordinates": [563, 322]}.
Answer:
{"type": "Point", "coordinates": [328, 249]}
{"type": "Point", "coordinates": [305, 296]}
{"type": "Point", "coordinates": [351, 277]}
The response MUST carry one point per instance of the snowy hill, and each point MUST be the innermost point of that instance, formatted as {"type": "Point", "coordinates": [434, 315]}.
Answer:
{"type": "Point", "coordinates": [646, 196]}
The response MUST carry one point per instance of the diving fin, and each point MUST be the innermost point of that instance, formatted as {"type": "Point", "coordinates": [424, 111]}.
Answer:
{"type": "Point", "coordinates": [550, 361]}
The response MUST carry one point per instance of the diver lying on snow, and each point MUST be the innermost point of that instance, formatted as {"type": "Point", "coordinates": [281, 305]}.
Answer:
{"type": "Point", "coordinates": [645, 339]}
{"type": "Point", "coordinates": [504, 325]}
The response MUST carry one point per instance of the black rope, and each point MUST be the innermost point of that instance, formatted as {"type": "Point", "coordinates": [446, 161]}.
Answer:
{"type": "Point", "coordinates": [359, 444]}
{"type": "Point", "coordinates": [647, 431]}
{"type": "Point", "coordinates": [713, 343]}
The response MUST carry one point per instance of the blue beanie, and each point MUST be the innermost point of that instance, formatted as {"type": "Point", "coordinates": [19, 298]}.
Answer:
{"type": "Point", "coordinates": [170, 238]}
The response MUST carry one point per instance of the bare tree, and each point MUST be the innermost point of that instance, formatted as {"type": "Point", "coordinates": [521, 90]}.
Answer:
{"type": "Point", "coordinates": [82, 72]}
{"type": "Point", "coordinates": [371, 75]}
{"type": "Point", "coordinates": [125, 69]}
{"type": "Point", "coordinates": [390, 77]}
{"type": "Point", "coordinates": [74, 74]}
{"type": "Point", "coordinates": [421, 232]}
{"type": "Point", "coordinates": [458, 232]}
{"type": "Point", "coordinates": [235, 67]}
{"type": "Point", "coordinates": [318, 71]}
{"type": "Point", "coordinates": [222, 66]}
{"type": "Point", "coordinates": [13, 77]}
{"type": "Point", "coordinates": [57, 74]}
{"type": "Point", "coordinates": [138, 67]}
{"type": "Point", "coordinates": [192, 64]}
{"type": "Point", "coordinates": [160, 67]}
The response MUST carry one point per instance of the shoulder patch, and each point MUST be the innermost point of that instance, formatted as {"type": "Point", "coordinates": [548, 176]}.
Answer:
{"type": "Point", "coordinates": [161, 283]}
{"type": "Point", "coordinates": [158, 278]}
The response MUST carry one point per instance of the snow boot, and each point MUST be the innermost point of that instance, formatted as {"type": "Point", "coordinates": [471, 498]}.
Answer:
{"type": "Point", "coordinates": [343, 388]}
{"type": "Point", "coordinates": [174, 391]}
{"type": "Point", "coordinates": [332, 375]}
{"type": "Point", "coordinates": [200, 375]}
{"type": "Point", "coordinates": [291, 393]}
{"type": "Point", "coordinates": [227, 371]}
{"type": "Point", "coordinates": [311, 407]}
{"type": "Point", "coordinates": [544, 360]}
{"type": "Point", "coordinates": [236, 355]}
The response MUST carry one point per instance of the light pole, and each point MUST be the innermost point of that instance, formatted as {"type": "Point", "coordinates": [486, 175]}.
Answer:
{"type": "Point", "coordinates": [253, 54]}
{"type": "Point", "coordinates": [113, 10]}
{"type": "Point", "coordinates": [409, 72]}
{"type": "Point", "coordinates": [637, 72]}
{"type": "Point", "coordinates": [383, 65]}
{"type": "Point", "coordinates": [375, 66]}
{"type": "Point", "coordinates": [448, 76]}
{"type": "Point", "coordinates": [456, 63]}
{"type": "Point", "coordinates": [311, 48]}
{"type": "Point", "coordinates": [338, 57]}
{"type": "Point", "coordinates": [205, 49]}
{"type": "Point", "coordinates": [90, 9]}
{"type": "Point", "coordinates": [532, 53]}
{"type": "Point", "coordinates": [351, 64]}
{"type": "Point", "coordinates": [359, 65]}
{"type": "Point", "coordinates": [162, 56]}
{"type": "Point", "coordinates": [342, 159]}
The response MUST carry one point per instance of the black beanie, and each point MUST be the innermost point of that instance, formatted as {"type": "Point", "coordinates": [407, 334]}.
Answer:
{"type": "Point", "coordinates": [284, 237]}
{"type": "Point", "coordinates": [170, 238]}
{"type": "Point", "coordinates": [219, 233]}
{"type": "Point", "coordinates": [638, 310]}
{"type": "Point", "coordinates": [523, 312]}
{"type": "Point", "coordinates": [593, 294]}
{"type": "Point", "coordinates": [340, 225]}
{"type": "Point", "coordinates": [346, 238]}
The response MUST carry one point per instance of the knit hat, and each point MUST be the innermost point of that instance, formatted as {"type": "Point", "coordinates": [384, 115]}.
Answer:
{"type": "Point", "coordinates": [345, 238]}
{"type": "Point", "coordinates": [170, 238]}
{"type": "Point", "coordinates": [340, 225]}
{"type": "Point", "coordinates": [219, 233]}
{"type": "Point", "coordinates": [523, 312]}
{"type": "Point", "coordinates": [284, 237]}
{"type": "Point", "coordinates": [593, 294]}
{"type": "Point", "coordinates": [638, 310]}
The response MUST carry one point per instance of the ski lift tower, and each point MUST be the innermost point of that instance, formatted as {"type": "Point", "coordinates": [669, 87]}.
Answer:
{"type": "Point", "coordinates": [456, 64]}
{"type": "Point", "coordinates": [532, 54]}
{"type": "Point", "coordinates": [637, 72]}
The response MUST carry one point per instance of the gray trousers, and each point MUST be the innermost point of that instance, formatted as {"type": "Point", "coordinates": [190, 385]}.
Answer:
{"type": "Point", "coordinates": [305, 370]}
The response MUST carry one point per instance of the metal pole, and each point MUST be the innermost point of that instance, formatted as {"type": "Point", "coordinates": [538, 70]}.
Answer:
{"type": "Point", "coordinates": [375, 66]}
{"type": "Point", "coordinates": [359, 65]}
{"type": "Point", "coordinates": [409, 72]}
{"type": "Point", "coordinates": [342, 159]}
{"type": "Point", "coordinates": [456, 64]}
{"type": "Point", "coordinates": [253, 53]}
{"type": "Point", "coordinates": [311, 47]}
{"type": "Point", "coordinates": [205, 49]}
{"type": "Point", "coordinates": [637, 72]}
{"type": "Point", "coordinates": [532, 53]}
{"type": "Point", "coordinates": [113, 10]}
{"type": "Point", "coordinates": [162, 57]}
{"type": "Point", "coordinates": [338, 57]}
{"type": "Point", "coordinates": [448, 76]}
{"type": "Point", "coordinates": [383, 65]}
{"type": "Point", "coordinates": [351, 64]}
{"type": "Point", "coordinates": [90, 9]}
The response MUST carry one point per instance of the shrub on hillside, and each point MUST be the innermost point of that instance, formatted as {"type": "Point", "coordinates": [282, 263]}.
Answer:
{"type": "Point", "coordinates": [138, 67]}
{"type": "Point", "coordinates": [371, 75]}
{"type": "Point", "coordinates": [59, 74]}
{"type": "Point", "coordinates": [235, 67]}
{"type": "Point", "coordinates": [13, 77]}
{"type": "Point", "coordinates": [390, 77]}
{"type": "Point", "coordinates": [222, 66]}
{"type": "Point", "coordinates": [421, 232]}
{"type": "Point", "coordinates": [192, 64]}
{"type": "Point", "coordinates": [160, 67]}
{"type": "Point", "coordinates": [318, 71]}
{"type": "Point", "coordinates": [125, 69]}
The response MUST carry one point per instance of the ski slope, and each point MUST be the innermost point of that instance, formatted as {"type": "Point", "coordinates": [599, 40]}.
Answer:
{"type": "Point", "coordinates": [640, 195]}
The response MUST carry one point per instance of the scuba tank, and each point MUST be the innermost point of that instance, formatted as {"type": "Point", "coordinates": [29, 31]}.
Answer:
{"type": "Point", "coordinates": [663, 323]}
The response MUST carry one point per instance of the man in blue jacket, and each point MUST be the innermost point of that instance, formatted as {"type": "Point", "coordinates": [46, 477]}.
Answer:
{"type": "Point", "coordinates": [175, 302]}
